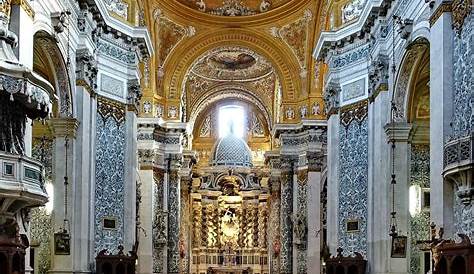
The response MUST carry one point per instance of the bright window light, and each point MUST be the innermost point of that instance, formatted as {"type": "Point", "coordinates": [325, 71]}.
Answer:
{"type": "Point", "coordinates": [231, 121]}
{"type": "Point", "coordinates": [414, 193]}
{"type": "Point", "coordinates": [50, 190]}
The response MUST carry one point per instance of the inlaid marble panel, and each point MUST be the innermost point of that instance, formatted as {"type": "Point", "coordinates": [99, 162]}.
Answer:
{"type": "Point", "coordinates": [463, 114]}
{"type": "Point", "coordinates": [419, 223]}
{"type": "Point", "coordinates": [353, 172]}
{"type": "Point", "coordinates": [110, 179]}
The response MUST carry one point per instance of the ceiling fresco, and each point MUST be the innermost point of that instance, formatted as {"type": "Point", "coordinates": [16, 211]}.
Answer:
{"type": "Point", "coordinates": [233, 67]}
{"type": "Point", "coordinates": [228, 47]}
{"type": "Point", "coordinates": [233, 7]}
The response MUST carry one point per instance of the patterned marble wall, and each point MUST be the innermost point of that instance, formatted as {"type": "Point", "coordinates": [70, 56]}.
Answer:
{"type": "Point", "coordinates": [274, 228]}
{"type": "Point", "coordinates": [286, 223]}
{"type": "Point", "coordinates": [420, 223]}
{"type": "Point", "coordinates": [110, 180]}
{"type": "Point", "coordinates": [41, 220]}
{"type": "Point", "coordinates": [353, 184]}
{"type": "Point", "coordinates": [302, 208]}
{"type": "Point", "coordinates": [463, 114]}
{"type": "Point", "coordinates": [159, 224]}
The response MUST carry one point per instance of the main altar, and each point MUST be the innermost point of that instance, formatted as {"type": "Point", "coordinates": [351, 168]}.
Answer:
{"type": "Point", "coordinates": [230, 208]}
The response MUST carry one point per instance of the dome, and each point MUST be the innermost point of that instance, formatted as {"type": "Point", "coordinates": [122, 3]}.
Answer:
{"type": "Point", "coordinates": [231, 151]}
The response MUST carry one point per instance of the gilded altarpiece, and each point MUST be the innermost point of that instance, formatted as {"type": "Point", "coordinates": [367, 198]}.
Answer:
{"type": "Point", "coordinates": [229, 224]}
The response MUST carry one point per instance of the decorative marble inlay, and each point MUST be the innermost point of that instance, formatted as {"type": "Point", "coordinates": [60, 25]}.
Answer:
{"type": "Point", "coordinates": [40, 234]}
{"type": "Point", "coordinates": [353, 183]}
{"type": "Point", "coordinates": [301, 222]}
{"type": "Point", "coordinates": [352, 10]}
{"type": "Point", "coordinates": [118, 7]}
{"type": "Point", "coordinates": [286, 213]}
{"type": "Point", "coordinates": [463, 114]}
{"type": "Point", "coordinates": [116, 52]}
{"type": "Point", "coordinates": [159, 226]}
{"type": "Point", "coordinates": [346, 59]}
{"type": "Point", "coordinates": [463, 216]}
{"type": "Point", "coordinates": [110, 180]}
{"type": "Point", "coordinates": [111, 86]}
{"type": "Point", "coordinates": [353, 90]}
{"type": "Point", "coordinates": [173, 221]}
{"type": "Point", "coordinates": [420, 223]}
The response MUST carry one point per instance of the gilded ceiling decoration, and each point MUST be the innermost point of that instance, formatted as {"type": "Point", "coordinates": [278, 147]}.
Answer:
{"type": "Point", "coordinates": [296, 35]}
{"type": "Point", "coordinates": [230, 67]}
{"type": "Point", "coordinates": [232, 64]}
{"type": "Point", "coordinates": [169, 34]}
{"type": "Point", "coordinates": [233, 7]}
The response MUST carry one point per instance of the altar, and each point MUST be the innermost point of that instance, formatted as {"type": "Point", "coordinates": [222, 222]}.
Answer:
{"type": "Point", "coordinates": [229, 270]}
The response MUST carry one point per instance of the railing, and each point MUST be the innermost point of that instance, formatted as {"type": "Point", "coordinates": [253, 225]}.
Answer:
{"type": "Point", "coordinates": [459, 152]}
{"type": "Point", "coordinates": [21, 178]}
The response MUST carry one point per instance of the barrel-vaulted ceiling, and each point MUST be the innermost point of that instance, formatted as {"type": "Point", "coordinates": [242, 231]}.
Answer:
{"type": "Point", "coordinates": [262, 47]}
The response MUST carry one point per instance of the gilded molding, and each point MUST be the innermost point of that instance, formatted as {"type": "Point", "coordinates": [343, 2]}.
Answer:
{"type": "Point", "coordinates": [460, 9]}
{"type": "Point", "coordinates": [357, 111]}
{"type": "Point", "coordinates": [26, 7]}
{"type": "Point", "coordinates": [288, 72]}
{"type": "Point", "coordinates": [64, 127]}
{"type": "Point", "coordinates": [107, 107]}
{"type": "Point", "coordinates": [442, 8]}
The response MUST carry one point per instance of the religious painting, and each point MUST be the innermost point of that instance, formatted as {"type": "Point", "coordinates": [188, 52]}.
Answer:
{"type": "Point", "coordinates": [399, 247]}
{"type": "Point", "coordinates": [62, 243]}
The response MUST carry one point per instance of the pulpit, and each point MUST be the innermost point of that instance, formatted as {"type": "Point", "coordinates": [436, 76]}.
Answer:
{"type": "Point", "coordinates": [454, 258]}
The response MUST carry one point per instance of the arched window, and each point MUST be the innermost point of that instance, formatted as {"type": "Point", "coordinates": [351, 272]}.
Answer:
{"type": "Point", "coordinates": [231, 121]}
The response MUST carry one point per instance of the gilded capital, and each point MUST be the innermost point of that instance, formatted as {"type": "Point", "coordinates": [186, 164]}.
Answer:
{"type": "Point", "coordinates": [64, 127]}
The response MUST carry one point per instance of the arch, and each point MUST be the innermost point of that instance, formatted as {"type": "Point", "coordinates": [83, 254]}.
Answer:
{"type": "Point", "coordinates": [442, 267]}
{"type": "Point", "coordinates": [49, 54]}
{"type": "Point", "coordinates": [106, 268]}
{"type": "Point", "coordinates": [284, 62]}
{"type": "Point", "coordinates": [458, 265]}
{"type": "Point", "coordinates": [418, 89]}
{"type": "Point", "coordinates": [3, 263]}
{"type": "Point", "coordinates": [226, 92]}
{"type": "Point", "coordinates": [201, 116]}
{"type": "Point", "coordinates": [410, 62]}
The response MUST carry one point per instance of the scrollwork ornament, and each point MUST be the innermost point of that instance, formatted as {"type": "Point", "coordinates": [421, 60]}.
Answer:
{"type": "Point", "coordinates": [461, 9]}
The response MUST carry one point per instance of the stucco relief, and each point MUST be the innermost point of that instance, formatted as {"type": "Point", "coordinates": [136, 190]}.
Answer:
{"type": "Point", "coordinates": [233, 7]}
{"type": "Point", "coordinates": [405, 75]}
{"type": "Point", "coordinates": [169, 35]}
{"type": "Point", "coordinates": [295, 35]}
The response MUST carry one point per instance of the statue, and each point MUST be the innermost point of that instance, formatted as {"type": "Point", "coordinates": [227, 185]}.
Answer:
{"type": "Point", "coordinates": [230, 228]}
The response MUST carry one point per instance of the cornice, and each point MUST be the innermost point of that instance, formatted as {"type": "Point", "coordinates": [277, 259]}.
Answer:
{"type": "Point", "coordinates": [119, 27]}
{"type": "Point", "coordinates": [202, 18]}
{"type": "Point", "coordinates": [360, 28]}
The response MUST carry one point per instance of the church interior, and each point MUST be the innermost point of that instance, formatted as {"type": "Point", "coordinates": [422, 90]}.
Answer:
{"type": "Point", "coordinates": [236, 137]}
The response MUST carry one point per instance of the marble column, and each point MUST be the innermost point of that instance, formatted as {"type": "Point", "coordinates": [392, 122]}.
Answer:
{"type": "Point", "coordinates": [274, 224]}
{"type": "Point", "coordinates": [400, 133]}
{"type": "Point", "coordinates": [147, 216]}
{"type": "Point", "coordinates": [333, 182]}
{"type": "Point", "coordinates": [441, 86]}
{"type": "Point", "coordinates": [174, 208]}
{"type": "Point", "coordinates": [63, 129]}
{"type": "Point", "coordinates": [286, 215]}
{"type": "Point", "coordinates": [314, 207]}
{"type": "Point", "coordinates": [84, 156]}
{"type": "Point", "coordinates": [86, 108]}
